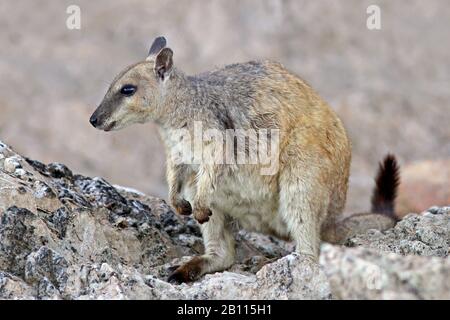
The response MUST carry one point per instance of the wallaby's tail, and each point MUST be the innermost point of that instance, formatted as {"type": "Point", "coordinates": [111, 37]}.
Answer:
{"type": "Point", "coordinates": [382, 215]}
{"type": "Point", "coordinates": [386, 187]}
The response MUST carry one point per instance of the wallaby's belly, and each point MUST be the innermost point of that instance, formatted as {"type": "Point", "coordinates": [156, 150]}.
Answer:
{"type": "Point", "coordinates": [252, 201]}
{"type": "Point", "coordinates": [248, 198]}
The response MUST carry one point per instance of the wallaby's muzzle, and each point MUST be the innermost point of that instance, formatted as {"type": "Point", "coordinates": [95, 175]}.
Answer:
{"type": "Point", "coordinates": [100, 121]}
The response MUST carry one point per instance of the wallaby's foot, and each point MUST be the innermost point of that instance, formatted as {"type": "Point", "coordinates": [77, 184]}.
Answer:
{"type": "Point", "coordinates": [171, 269]}
{"type": "Point", "coordinates": [187, 272]}
{"type": "Point", "coordinates": [202, 214]}
{"type": "Point", "coordinates": [182, 207]}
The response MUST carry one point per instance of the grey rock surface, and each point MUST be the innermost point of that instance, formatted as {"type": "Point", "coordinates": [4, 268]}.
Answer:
{"type": "Point", "coordinates": [426, 235]}
{"type": "Point", "coordinates": [67, 236]}
{"type": "Point", "coordinates": [361, 273]}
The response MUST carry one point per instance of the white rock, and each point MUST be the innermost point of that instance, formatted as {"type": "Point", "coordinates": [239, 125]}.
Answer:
{"type": "Point", "coordinates": [11, 164]}
{"type": "Point", "coordinates": [20, 173]}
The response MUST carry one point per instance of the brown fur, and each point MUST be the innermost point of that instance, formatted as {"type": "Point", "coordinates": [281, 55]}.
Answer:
{"type": "Point", "coordinates": [187, 272]}
{"type": "Point", "coordinates": [182, 207]}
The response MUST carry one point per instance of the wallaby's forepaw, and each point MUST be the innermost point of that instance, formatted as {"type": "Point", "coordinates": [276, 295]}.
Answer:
{"type": "Point", "coordinates": [187, 272]}
{"type": "Point", "coordinates": [182, 207]}
{"type": "Point", "coordinates": [202, 214]}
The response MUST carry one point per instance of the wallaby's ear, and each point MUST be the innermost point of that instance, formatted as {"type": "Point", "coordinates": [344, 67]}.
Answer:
{"type": "Point", "coordinates": [163, 63]}
{"type": "Point", "coordinates": [158, 44]}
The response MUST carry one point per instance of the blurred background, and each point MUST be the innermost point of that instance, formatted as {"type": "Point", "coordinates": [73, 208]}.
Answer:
{"type": "Point", "coordinates": [391, 87]}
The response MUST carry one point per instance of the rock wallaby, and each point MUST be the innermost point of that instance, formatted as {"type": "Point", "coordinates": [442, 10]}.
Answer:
{"type": "Point", "coordinates": [302, 199]}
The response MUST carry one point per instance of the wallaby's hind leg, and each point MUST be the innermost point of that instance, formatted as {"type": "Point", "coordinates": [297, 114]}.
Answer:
{"type": "Point", "coordinates": [303, 211]}
{"type": "Point", "coordinates": [330, 229]}
{"type": "Point", "coordinates": [219, 251]}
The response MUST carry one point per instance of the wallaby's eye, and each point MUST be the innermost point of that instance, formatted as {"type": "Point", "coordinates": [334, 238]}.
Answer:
{"type": "Point", "coordinates": [128, 90]}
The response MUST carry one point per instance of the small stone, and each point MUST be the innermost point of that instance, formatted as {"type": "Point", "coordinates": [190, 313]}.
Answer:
{"type": "Point", "coordinates": [42, 190]}
{"type": "Point", "coordinates": [439, 210]}
{"type": "Point", "coordinates": [48, 264]}
{"type": "Point", "coordinates": [106, 272]}
{"type": "Point", "coordinates": [22, 190]}
{"type": "Point", "coordinates": [60, 219]}
{"type": "Point", "coordinates": [59, 170]}
{"type": "Point", "coordinates": [11, 164]}
{"type": "Point", "coordinates": [46, 290]}
{"type": "Point", "coordinates": [20, 173]}
{"type": "Point", "coordinates": [121, 222]}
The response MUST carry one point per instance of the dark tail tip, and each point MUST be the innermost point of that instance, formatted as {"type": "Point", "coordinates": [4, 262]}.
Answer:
{"type": "Point", "coordinates": [386, 187]}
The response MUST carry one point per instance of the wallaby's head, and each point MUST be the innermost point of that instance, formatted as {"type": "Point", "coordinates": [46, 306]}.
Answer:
{"type": "Point", "coordinates": [136, 93]}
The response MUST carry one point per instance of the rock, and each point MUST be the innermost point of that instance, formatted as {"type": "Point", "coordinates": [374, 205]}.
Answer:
{"type": "Point", "coordinates": [67, 236]}
{"type": "Point", "coordinates": [437, 210]}
{"type": "Point", "coordinates": [42, 190]}
{"type": "Point", "coordinates": [11, 164]}
{"type": "Point", "coordinates": [58, 170]}
{"type": "Point", "coordinates": [425, 235]}
{"type": "Point", "coordinates": [47, 264]}
{"type": "Point", "coordinates": [12, 287]}
{"type": "Point", "coordinates": [20, 173]}
{"type": "Point", "coordinates": [291, 277]}
{"type": "Point", "coordinates": [360, 273]}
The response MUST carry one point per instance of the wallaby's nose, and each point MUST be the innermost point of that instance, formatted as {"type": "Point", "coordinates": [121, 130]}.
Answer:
{"type": "Point", "coordinates": [93, 120]}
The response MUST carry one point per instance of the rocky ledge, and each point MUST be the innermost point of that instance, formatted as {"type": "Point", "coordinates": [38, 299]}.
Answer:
{"type": "Point", "coordinates": [67, 236]}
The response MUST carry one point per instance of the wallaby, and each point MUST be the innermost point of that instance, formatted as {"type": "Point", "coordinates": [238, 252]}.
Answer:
{"type": "Point", "coordinates": [301, 200]}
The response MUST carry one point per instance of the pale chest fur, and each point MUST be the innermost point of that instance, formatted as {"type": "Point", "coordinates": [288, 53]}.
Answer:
{"type": "Point", "coordinates": [242, 193]}
{"type": "Point", "coordinates": [250, 199]}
